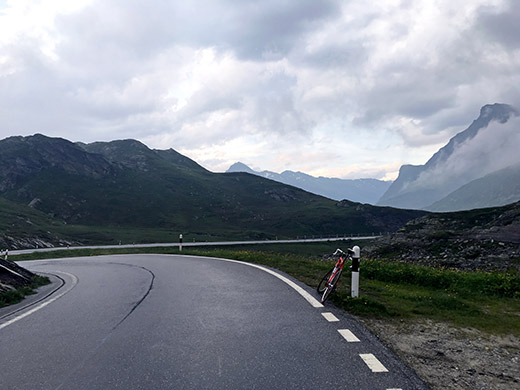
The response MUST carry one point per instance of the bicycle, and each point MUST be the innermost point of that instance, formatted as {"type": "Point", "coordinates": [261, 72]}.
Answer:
{"type": "Point", "coordinates": [330, 281]}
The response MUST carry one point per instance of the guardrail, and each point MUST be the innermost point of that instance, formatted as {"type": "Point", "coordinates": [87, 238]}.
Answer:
{"type": "Point", "coordinates": [193, 244]}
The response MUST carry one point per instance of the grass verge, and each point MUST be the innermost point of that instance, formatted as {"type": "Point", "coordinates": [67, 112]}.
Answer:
{"type": "Point", "coordinates": [14, 296]}
{"type": "Point", "coordinates": [488, 301]}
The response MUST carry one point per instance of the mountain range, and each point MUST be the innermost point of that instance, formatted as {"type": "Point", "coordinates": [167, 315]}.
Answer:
{"type": "Point", "coordinates": [355, 190]}
{"type": "Point", "coordinates": [106, 192]}
{"type": "Point", "coordinates": [479, 167]}
{"type": "Point", "coordinates": [56, 192]}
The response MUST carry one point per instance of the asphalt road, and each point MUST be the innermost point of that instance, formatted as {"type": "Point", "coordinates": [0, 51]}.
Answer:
{"type": "Point", "coordinates": [181, 322]}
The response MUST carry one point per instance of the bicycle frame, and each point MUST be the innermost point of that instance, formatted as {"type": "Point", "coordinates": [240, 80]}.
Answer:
{"type": "Point", "coordinates": [337, 267]}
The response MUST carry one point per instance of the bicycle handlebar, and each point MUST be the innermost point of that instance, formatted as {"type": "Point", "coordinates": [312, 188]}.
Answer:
{"type": "Point", "coordinates": [340, 252]}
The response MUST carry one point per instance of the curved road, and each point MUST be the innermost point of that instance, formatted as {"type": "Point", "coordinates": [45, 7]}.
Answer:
{"type": "Point", "coordinates": [182, 322]}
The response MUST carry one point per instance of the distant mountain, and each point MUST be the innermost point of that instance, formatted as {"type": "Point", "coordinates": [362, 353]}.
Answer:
{"type": "Point", "coordinates": [488, 145]}
{"type": "Point", "coordinates": [241, 167]}
{"type": "Point", "coordinates": [109, 191]}
{"type": "Point", "coordinates": [359, 190]}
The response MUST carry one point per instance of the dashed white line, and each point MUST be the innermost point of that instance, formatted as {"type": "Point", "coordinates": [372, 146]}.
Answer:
{"type": "Point", "coordinates": [330, 317]}
{"type": "Point", "coordinates": [372, 362]}
{"type": "Point", "coordinates": [348, 335]}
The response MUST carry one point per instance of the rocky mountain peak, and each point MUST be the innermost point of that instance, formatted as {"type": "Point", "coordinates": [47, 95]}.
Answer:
{"type": "Point", "coordinates": [21, 157]}
{"type": "Point", "coordinates": [240, 167]}
{"type": "Point", "coordinates": [484, 147]}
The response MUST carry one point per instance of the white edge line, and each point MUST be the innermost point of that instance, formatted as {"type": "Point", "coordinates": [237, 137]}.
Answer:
{"type": "Point", "coordinates": [330, 317]}
{"type": "Point", "coordinates": [42, 305]}
{"type": "Point", "coordinates": [348, 335]}
{"type": "Point", "coordinates": [308, 297]}
{"type": "Point", "coordinates": [372, 362]}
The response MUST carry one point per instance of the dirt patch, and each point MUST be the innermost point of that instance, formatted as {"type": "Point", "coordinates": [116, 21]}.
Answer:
{"type": "Point", "coordinates": [453, 358]}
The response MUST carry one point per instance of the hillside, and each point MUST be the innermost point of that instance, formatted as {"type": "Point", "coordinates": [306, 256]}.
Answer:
{"type": "Point", "coordinates": [498, 188]}
{"type": "Point", "coordinates": [355, 190]}
{"type": "Point", "coordinates": [24, 227]}
{"type": "Point", "coordinates": [13, 276]}
{"type": "Point", "coordinates": [122, 190]}
{"type": "Point", "coordinates": [485, 239]}
{"type": "Point", "coordinates": [488, 145]}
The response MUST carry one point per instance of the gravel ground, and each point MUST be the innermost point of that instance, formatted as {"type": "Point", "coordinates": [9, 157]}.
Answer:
{"type": "Point", "coordinates": [453, 358]}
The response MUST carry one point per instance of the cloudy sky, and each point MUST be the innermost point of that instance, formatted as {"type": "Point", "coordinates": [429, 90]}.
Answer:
{"type": "Point", "coordinates": [345, 88]}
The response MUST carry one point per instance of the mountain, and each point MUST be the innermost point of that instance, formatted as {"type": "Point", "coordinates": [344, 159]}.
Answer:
{"type": "Point", "coordinates": [359, 190]}
{"type": "Point", "coordinates": [106, 192]}
{"type": "Point", "coordinates": [488, 145]}
{"type": "Point", "coordinates": [241, 167]}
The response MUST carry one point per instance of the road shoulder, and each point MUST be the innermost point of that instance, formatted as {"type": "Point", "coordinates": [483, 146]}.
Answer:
{"type": "Point", "coordinates": [452, 358]}
{"type": "Point", "coordinates": [42, 293]}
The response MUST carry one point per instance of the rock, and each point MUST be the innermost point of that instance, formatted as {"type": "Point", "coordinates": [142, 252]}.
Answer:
{"type": "Point", "coordinates": [456, 240]}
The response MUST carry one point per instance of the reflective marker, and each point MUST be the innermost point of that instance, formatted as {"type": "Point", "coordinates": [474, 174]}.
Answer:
{"type": "Point", "coordinates": [372, 363]}
{"type": "Point", "coordinates": [348, 335]}
{"type": "Point", "coordinates": [330, 317]}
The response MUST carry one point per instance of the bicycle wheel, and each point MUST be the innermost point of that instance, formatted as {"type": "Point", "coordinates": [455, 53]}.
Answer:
{"type": "Point", "coordinates": [331, 287]}
{"type": "Point", "coordinates": [323, 283]}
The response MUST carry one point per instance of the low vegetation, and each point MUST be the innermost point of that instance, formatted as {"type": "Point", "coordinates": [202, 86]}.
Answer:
{"type": "Point", "coordinates": [16, 295]}
{"type": "Point", "coordinates": [488, 301]}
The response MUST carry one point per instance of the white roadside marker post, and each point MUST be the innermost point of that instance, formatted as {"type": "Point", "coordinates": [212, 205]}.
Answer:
{"type": "Point", "coordinates": [180, 242]}
{"type": "Point", "coordinates": [354, 286]}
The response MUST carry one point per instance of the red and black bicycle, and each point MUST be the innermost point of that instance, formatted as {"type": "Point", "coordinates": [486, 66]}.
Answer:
{"type": "Point", "coordinates": [330, 281]}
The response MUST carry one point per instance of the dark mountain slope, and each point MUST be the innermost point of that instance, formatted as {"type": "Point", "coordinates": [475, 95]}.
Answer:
{"type": "Point", "coordinates": [133, 154]}
{"type": "Point", "coordinates": [24, 157]}
{"type": "Point", "coordinates": [24, 227]}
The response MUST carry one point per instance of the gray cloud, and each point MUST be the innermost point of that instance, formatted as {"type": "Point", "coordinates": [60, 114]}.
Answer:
{"type": "Point", "coordinates": [447, 78]}
{"type": "Point", "coordinates": [252, 30]}
{"type": "Point", "coordinates": [503, 27]}
{"type": "Point", "coordinates": [261, 29]}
